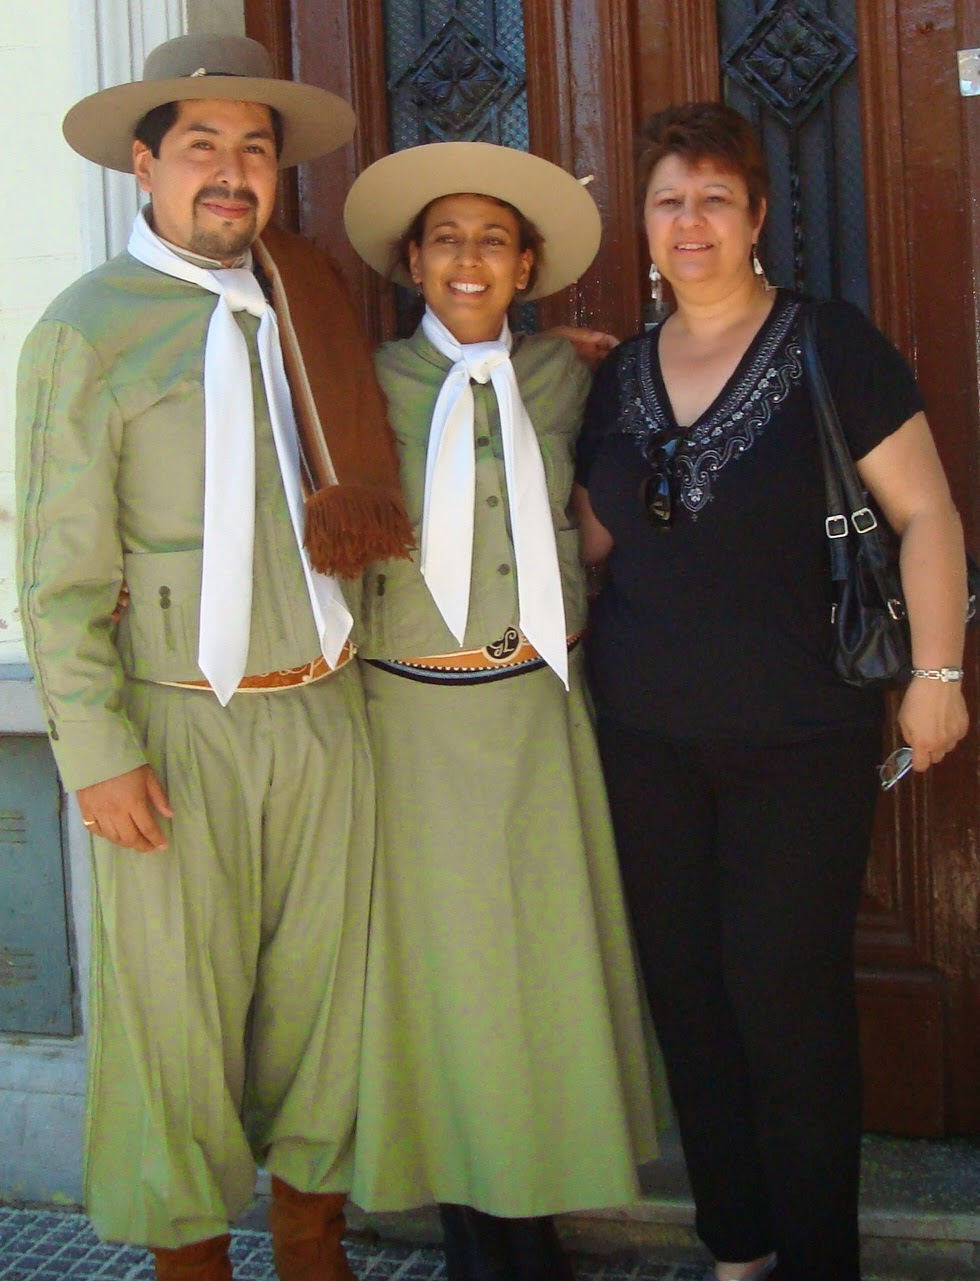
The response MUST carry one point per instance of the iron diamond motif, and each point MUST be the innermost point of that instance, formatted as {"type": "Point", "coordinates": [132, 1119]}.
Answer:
{"type": "Point", "coordinates": [790, 58]}
{"type": "Point", "coordinates": [460, 87]}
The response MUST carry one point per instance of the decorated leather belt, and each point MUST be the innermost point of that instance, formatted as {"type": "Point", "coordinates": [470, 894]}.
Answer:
{"type": "Point", "coordinates": [512, 655]}
{"type": "Point", "coordinates": [288, 678]}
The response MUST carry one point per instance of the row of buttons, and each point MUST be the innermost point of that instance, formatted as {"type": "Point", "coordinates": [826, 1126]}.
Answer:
{"type": "Point", "coordinates": [493, 501]}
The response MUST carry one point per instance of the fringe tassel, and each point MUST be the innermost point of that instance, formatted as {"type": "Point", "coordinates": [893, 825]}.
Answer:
{"type": "Point", "coordinates": [348, 526]}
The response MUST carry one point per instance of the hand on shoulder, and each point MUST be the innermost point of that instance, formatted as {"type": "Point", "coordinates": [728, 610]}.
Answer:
{"type": "Point", "coordinates": [591, 345]}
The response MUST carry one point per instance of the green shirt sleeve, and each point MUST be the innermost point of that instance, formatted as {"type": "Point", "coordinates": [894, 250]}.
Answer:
{"type": "Point", "coordinates": [69, 555]}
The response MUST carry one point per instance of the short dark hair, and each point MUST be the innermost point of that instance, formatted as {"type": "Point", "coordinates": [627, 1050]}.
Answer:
{"type": "Point", "coordinates": [528, 235]}
{"type": "Point", "coordinates": [158, 122]}
{"type": "Point", "coordinates": [700, 131]}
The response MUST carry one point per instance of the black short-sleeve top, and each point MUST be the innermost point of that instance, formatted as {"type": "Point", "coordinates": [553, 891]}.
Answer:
{"type": "Point", "coordinates": [719, 627]}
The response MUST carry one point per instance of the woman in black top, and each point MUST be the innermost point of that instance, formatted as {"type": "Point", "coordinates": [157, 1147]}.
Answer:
{"type": "Point", "coordinates": [740, 768]}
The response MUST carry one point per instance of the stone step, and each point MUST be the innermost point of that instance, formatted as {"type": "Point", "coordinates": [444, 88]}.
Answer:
{"type": "Point", "coordinates": [920, 1214]}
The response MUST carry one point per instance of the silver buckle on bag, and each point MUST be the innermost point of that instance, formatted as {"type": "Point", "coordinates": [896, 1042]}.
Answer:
{"type": "Point", "coordinates": [896, 608]}
{"type": "Point", "coordinates": [864, 520]}
{"type": "Point", "coordinates": [836, 526]}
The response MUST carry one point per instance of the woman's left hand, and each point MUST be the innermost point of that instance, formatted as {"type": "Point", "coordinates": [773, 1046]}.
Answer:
{"type": "Point", "coordinates": [932, 718]}
{"type": "Point", "coordinates": [906, 478]}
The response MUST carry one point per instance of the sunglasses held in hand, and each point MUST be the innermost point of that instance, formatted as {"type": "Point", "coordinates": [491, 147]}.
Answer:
{"type": "Point", "coordinates": [895, 767]}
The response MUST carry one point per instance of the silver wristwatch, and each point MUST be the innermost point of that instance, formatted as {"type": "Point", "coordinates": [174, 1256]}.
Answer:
{"type": "Point", "coordinates": [945, 674]}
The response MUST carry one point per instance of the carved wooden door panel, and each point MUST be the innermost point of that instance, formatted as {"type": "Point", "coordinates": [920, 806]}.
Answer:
{"type": "Point", "coordinates": [870, 147]}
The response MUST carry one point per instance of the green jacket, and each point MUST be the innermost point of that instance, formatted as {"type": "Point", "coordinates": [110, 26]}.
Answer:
{"type": "Point", "coordinates": [110, 485]}
{"type": "Point", "coordinates": [398, 616]}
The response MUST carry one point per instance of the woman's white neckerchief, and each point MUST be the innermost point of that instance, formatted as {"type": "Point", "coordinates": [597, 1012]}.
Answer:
{"type": "Point", "coordinates": [450, 488]}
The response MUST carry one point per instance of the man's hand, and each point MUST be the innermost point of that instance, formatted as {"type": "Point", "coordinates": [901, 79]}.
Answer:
{"type": "Point", "coordinates": [591, 345]}
{"type": "Point", "coordinates": [122, 604]}
{"type": "Point", "coordinates": [121, 810]}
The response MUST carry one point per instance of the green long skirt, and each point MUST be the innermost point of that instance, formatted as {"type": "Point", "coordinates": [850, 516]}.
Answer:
{"type": "Point", "coordinates": [506, 1056]}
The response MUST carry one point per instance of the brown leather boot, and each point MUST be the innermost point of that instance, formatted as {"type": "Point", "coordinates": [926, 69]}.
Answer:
{"type": "Point", "coordinates": [201, 1261]}
{"type": "Point", "coordinates": [306, 1234]}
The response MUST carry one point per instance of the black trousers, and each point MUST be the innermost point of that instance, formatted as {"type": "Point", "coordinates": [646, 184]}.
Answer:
{"type": "Point", "coordinates": [742, 867]}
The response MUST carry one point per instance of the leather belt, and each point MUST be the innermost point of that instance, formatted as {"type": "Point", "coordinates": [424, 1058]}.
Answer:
{"type": "Point", "coordinates": [512, 655]}
{"type": "Point", "coordinates": [288, 678]}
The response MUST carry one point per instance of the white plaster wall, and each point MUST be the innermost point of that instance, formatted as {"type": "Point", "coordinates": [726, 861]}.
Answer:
{"type": "Point", "coordinates": [59, 215]}
{"type": "Point", "coordinates": [40, 247]}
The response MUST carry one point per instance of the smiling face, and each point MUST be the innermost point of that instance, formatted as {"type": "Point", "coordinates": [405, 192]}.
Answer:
{"type": "Point", "coordinates": [213, 185]}
{"type": "Point", "coordinates": [469, 264]}
{"type": "Point", "coordinates": [700, 228]}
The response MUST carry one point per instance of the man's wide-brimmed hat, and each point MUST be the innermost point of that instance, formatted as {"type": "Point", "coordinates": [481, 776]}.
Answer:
{"type": "Point", "coordinates": [236, 69]}
{"type": "Point", "coordinates": [387, 196]}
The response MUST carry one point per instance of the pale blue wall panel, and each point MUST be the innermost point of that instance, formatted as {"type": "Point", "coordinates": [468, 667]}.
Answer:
{"type": "Point", "coordinates": [35, 964]}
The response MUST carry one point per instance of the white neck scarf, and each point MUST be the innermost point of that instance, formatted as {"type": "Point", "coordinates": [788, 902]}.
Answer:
{"type": "Point", "coordinates": [450, 486]}
{"type": "Point", "coordinates": [229, 467]}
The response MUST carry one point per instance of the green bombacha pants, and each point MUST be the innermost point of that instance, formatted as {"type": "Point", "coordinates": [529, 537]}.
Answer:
{"type": "Point", "coordinates": [228, 970]}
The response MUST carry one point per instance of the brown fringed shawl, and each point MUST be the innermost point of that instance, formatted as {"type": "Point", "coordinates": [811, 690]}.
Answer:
{"type": "Point", "coordinates": [355, 512]}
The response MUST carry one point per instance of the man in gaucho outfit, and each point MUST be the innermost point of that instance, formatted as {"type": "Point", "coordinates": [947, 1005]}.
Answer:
{"type": "Point", "coordinates": [198, 418]}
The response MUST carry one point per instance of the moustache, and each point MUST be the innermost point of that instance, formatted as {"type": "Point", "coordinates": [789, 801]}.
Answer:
{"type": "Point", "coordinates": [243, 195]}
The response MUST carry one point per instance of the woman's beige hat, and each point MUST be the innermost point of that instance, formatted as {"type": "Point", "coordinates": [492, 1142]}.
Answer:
{"type": "Point", "coordinates": [388, 194]}
{"type": "Point", "coordinates": [236, 69]}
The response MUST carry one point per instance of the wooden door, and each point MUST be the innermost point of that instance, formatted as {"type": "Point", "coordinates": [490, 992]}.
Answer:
{"type": "Point", "coordinates": [594, 69]}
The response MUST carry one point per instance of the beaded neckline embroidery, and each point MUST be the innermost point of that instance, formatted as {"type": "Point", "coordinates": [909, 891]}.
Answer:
{"type": "Point", "coordinates": [730, 427]}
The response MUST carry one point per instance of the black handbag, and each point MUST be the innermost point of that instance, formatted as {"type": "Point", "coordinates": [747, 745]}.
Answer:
{"type": "Point", "coordinates": [872, 645]}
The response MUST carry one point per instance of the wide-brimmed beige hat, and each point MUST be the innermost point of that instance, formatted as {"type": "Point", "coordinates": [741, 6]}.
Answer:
{"type": "Point", "coordinates": [100, 127]}
{"type": "Point", "coordinates": [388, 194]}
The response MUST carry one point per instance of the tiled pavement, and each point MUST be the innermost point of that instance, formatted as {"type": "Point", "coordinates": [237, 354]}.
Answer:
{"type": "Point", "coordinates": [45, 1245]}
{"type": "Point", "coordinates": [52, 1245]}
{"type": "Point", "coordinates": [920, 1220]}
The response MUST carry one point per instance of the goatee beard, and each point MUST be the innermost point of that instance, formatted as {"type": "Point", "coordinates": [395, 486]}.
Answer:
{"type": "Point", "coordinates": [223, 245]}
{"type": "Point", "coordinates": [231, 242]}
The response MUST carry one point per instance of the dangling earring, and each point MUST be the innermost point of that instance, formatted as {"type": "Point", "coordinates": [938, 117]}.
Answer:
{"type": "Point", "coordinates": [656, 285]}
{"type": "Point", "coordinates": [758, 269]}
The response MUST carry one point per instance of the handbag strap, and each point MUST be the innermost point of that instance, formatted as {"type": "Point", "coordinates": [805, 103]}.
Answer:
{"type": "Point", "coordinates": [847, 502]}
{"type": "Point", "coordinates": [825, 415]}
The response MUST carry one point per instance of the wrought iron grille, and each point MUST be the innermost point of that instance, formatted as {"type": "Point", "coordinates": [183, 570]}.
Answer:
{"type": "Point", "coordinates": [456, 71]}
{"type": "Point", "coordinates": [791, 66]}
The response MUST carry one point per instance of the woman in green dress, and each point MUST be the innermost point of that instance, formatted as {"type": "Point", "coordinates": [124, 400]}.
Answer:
{"type": "Point", "coordinates": [505, 1071]}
